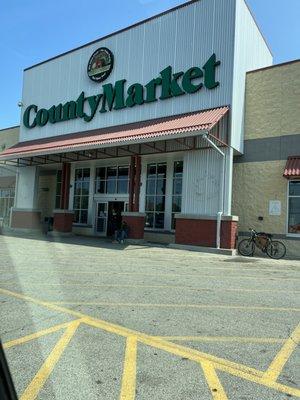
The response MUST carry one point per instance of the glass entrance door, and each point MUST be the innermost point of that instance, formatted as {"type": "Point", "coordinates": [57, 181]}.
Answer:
{"type": "Point", "coordinates": [101, 218]}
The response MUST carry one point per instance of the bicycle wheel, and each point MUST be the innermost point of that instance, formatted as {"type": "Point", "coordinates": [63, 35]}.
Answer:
{"type": "Point", "coordinates": [246, 248]}
{"type": "Point", "coordinates": [276, 249]}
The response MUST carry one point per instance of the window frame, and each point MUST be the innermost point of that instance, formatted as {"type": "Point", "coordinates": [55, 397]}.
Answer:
{"type": "Point", "coordinates": [116, 193]}
{"type": "Point", "coordinates": [295, 235]}
{"type": "Point", "coordinates": [7, 201]}
{"type": "Point", "coordinates": [58, 195]}
{"type": "Point", "coordinates": [81, 180]}
{"type": "Point", "coordinates": [176, 195]}
{"type": "Point", "coordinates": [156, 195]}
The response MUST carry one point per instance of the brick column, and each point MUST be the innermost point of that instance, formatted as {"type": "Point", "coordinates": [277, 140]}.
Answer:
{"type": "Point", "coordinates": [62, 217]}
{"type": "Point", "coordinates": [63, 221]}
{"type": "Point", "coordinates": [65, 186]}
{"type": "Point", "coordinates": [134, 183]}
{"type": "Point", "coordinates": [136, 224]}
{"type": "Point", "coordinates": [229, 231]}
{"type": "Point", "coordinates": [201, 230]}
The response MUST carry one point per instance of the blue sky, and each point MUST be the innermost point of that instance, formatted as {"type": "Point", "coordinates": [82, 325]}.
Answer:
{"type": "Point", "coordinates": [34, 30]}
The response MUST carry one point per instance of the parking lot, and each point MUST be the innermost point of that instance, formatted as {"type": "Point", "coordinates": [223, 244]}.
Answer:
{"type": "Point", "coordinates": [86, 319]}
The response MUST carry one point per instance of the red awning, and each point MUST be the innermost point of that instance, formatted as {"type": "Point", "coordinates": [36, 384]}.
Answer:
{"type": "Point", "coordinates": [292, 168]}
{"type": "Point", "coordinates": [162, 128]}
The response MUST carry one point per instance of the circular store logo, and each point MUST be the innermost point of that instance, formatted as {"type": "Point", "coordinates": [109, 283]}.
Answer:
{"type": "Point", "coordinates": [100, 64]}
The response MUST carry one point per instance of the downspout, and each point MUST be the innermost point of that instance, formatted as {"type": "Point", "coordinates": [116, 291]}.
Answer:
{"type": "Point", "coordinates": [221, 206]}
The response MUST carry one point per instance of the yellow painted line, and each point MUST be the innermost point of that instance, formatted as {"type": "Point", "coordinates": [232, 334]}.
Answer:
{"type": "Point", "coordinates": [35, 335]}
{"type": "Point", "coordinates": [233, 368]}
{"type": "Point", "coordinates": [108, 285]}
{"type": "Point", "coordinates": [283, 355]}
{"type": "Point", "coordinates": [129, 371]}
{"type": "Point", "coordinates": [200, 275]}
{"type": "Point", "coordinates": [159, 305]}
{"type": "Point", "coordinates": [212, 379]}
{"type": "Point", "coordinates": [173, 348]}
{"type": "Point", "coordinates": [239, 370]}
{"type": "Point", "coordinates": [34, 387]}
{"type": "Point", "coordinates": [221, 339]}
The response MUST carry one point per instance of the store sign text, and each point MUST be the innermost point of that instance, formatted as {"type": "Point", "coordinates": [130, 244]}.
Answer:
{"type": "Point", "coordinates": [114, 97]}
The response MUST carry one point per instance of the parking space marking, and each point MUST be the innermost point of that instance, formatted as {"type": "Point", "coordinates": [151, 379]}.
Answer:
{"type": "Point", "coordinates": [218, 277]}
{"type": "Point", "coordinates": [241, 339]}
{"type": "Point", "coordinates": [212, 379]}
{"type": "Point", "coordinates": [35, 335]}
{"type": "Point", "coordinates": [219, 364]}
{"type": "Point", "coordinates": [129, 371]}
{"type": "Point", "coordinates": [283, 355]}
{"type": "Point", "coordinates": [108, 285]}
{"type": "Point", "coordinates": [44, 372]}
{"type": "Point", "coordinates": [160, 305]}
{"type": "Point", "coordinates": [294, 268]}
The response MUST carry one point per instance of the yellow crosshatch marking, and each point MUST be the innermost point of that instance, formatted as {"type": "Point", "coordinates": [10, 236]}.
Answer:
{"type": "Point", "coordinates": [44, 372]}
{"type": "Point", "coordinates": [129, 374]}
{"type": "Point", "coordinates": [215, 386]}
{"type": "Point", "coordinates": [162, 305]}
{"type": "Point", "coordinates": [210, 364]}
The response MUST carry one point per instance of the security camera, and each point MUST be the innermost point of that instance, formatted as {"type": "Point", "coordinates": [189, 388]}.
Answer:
{"type": "Point", "coordinates": [20, 104]}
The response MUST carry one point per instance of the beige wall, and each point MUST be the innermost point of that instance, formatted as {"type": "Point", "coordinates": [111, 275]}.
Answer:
{"type": "Point", "coordinates": [254, 184]}
{"type": "Point", "coordinates": [9, 137]}
{"type": "Point", "coordinates": [272, 110]}
{"type": "Point", "coordinates": [272, 102]}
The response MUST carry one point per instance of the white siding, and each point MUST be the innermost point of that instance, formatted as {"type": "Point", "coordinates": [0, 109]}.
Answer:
{"type": "Point", "coordinates": [27, 188]}
{"type": "Point", "coordinates": [182, 38]}
{"type": "Point", "coordinates": [202, 182]}
{"type": "Point", "coordinates": [250, 52]}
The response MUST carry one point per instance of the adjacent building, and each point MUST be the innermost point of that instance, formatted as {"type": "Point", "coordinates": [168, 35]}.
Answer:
{"type": "Point", "coordinates": [266, 179]}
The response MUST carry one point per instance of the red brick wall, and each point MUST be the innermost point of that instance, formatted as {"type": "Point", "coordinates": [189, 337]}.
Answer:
{"type": "Point", "coordinates": [228, 234]}
{"type": "Point", "coordinates": [25, 219]}
{"type": "Point", "coordinates": [199, 232]}
{"type": "Point", "coordinates": [136, 226]}
{"type": "Point", "coordinates": [63, 222]}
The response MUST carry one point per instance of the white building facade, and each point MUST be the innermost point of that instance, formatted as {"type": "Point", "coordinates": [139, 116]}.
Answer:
{"type": "Point", "coordinates": [143, 122]}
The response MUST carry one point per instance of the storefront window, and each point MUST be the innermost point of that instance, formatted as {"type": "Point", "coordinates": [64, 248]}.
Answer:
{"type": "Point", "coordinates": [81, 195]}
{"type": "Point", "coordinates": [58, 188]}
{"type": "Point", "coordinates": [294, 207]}
{"type": "Point", "coordinates": [6, 202]}
{"type": "Point", "coordinates": [177, 190]}
{"type": "Point", "coordinates": [112, 180]}
{"type": "Point", "coordinates": [155, 195]}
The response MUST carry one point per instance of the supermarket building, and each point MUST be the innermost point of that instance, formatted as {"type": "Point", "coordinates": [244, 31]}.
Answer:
{"type": "Point", "coordinates": [148, 122]}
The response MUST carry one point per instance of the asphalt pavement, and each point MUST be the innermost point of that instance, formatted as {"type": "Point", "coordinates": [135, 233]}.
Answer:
{"type": "Point", "coordinates": [82, 318]}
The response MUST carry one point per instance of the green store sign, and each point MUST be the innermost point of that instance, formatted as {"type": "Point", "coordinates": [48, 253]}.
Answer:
{"type": "Point", "coordinates": [115, 97]}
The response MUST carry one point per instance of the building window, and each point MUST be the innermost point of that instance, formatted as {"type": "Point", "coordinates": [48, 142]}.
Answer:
{"type": "Point", "coordinates": [6, 202]}
{"type": "Point", "coordinates": [81, 195]}
{"type": "Point", "coordinates": [294, 207]}
{"type": "Point", "coordinates": [177, 190]}
{"type": "Point", "coordinates": [112, 180]}
{"type": "Point", "coordinates": [156, 195]}
{"type": "Point", "coordinates": [58, 188]}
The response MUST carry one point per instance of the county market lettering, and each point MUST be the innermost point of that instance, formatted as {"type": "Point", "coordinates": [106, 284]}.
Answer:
{"type": "Point", "coordinates": [113, 97]}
